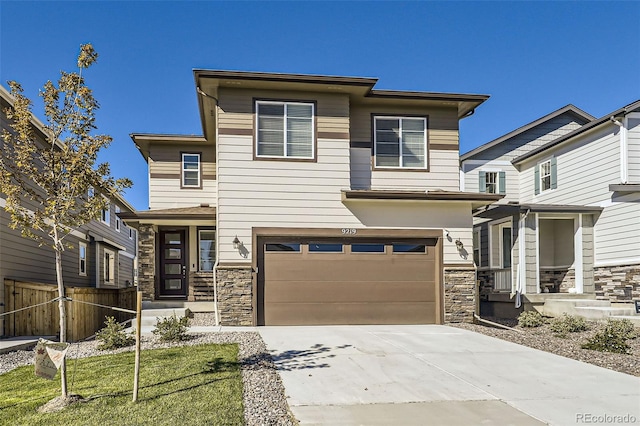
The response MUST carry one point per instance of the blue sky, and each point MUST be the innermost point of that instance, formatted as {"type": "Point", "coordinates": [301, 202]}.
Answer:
{"type": "Point", "coordinates": [531, 57]}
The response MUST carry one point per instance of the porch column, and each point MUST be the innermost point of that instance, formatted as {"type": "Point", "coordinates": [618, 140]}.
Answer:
{"type": "Point", "coordinates": [586, 255]}
{"type": "Point", "coordinates": [147, 260]}
{"type": "Point", "coordinates": [531, 254]}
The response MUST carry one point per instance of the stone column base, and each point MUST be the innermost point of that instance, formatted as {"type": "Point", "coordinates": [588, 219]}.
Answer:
{"type": "Point", "coordinates": [234, 295]}
{"type": "Point", "coordinates": [459, 295]}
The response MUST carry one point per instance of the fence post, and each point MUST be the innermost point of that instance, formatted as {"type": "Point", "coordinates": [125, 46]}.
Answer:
{"type": "Point", "coordinates": [136, 378]}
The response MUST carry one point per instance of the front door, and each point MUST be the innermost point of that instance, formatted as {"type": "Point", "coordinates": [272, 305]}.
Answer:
{"type": "Point", "coordinates": [173, 263]}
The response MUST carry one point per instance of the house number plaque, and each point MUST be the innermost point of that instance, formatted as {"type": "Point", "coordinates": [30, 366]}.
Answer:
{"type": "Point", "coordinates": [349, 231]}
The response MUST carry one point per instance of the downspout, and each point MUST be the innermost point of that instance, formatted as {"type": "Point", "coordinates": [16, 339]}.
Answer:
{"type": "Point", "coordinates": [216, 312]}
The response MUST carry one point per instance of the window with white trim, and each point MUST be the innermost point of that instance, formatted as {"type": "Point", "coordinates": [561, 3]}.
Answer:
{"type": "Point", "coordinates": [546, 175]}
{"type": "Point", "coordinates": [476, 246]}
{"type": "Point", "coordinates": [109, 267]}
{"type": "Point", "coordinates": [191, 170]}
{"type": "Point", "coordinates": [131, 233]}
{"type": "Point", "coordinates": [501, 245]}
{"type": "Point", "coordinates": [105, 214]}
{"type": "Point", "coordinates": [400, 142]}
{"type": "Point", "coordinates": [118, 221]}
{"type": "Point", "coordinates": [206, 249]}
{"type": "Point", "coordinates": [285, 129]}
{"type": "Point", "coordinates": [82, 258]}
{"type": "Point", "coordinates": [492, 182]}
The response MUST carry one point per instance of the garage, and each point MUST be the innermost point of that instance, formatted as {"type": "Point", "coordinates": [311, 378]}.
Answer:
{"type": "Point", "coordinates": [366, 280]}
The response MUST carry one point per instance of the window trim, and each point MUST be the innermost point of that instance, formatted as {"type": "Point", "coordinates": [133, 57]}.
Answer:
{"type": "Point", "coordinates": [105, 214]}
{"type": "Point", "coordinates": [314, 130]}
{"type": "Point", "coordinates": [131, 233]}
{"type": "Point", "coordinates": [477, 247]}
{"type": "Point", "coordinates": [118, 220]}
{"type": "Point", "coordinates": [500, 261]}
{"type": "Point", "coordinates": [182, 170]}
{"type": "Point", "coordinates": [215, 236]}
{"type": "Point", "coordinates": [541, 176]}
{"type": "Point", "coordinates": [82, 271]}
{"type": "Point", "coordinates": [427, 157]}
{"type": "Point", "coordinates": [109, 268]}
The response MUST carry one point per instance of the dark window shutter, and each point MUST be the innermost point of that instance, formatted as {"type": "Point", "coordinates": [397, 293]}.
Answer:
{"type": "Point", "coordinates": [502, 183]}
{"type": "Point", "coordinates": [554, 173]}
{"type": "Point", "coordinates": [537, 179]}
{"type": "Point", "coordinates": [482, 182]}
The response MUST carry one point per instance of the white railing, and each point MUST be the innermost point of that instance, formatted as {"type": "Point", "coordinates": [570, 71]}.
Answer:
{"type": "Point", "coordinates": [502, 280]}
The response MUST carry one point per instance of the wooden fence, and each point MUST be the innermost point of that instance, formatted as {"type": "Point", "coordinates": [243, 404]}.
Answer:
{"type": "Point", "coordinates": [82, 320]}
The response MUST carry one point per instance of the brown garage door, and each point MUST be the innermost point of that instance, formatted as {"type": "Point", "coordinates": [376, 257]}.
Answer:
{"type": "Point", "coordinates": [347, 281]}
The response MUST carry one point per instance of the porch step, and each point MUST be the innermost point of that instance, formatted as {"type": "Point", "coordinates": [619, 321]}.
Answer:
{"type": "Point", "coordinates": [599, 313]}
{"type": "Point", "coordinates": [557, 307]}
{"type": "Point", "coordinates": [150, 316]}
{"type": "Point", "coordinates": [635, 319]}
{"type": "Point", "coordinates": [172, 304]}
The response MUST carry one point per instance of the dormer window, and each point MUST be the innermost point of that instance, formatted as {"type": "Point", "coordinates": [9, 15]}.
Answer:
{"type": "Point", "coordinates": [285, 130]}
{"type": "Point", "coordinates": [400, 142]}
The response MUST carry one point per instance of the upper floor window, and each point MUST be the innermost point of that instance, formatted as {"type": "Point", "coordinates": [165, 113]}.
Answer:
{"type": "Point", "coordinates": [491, 182]}
{"type": "Point", "coordinates": [400, 142]}
{"type": "Point", "coordinates": [285, 129]}
{"type": "Point", "coordinates": [118, 220]}
{"type": "Point", "coordinates": [546, 175]}
{"type": "Point", "coordinates": [105, 214]}
{"type": "Point", "coordinates": [191, 170]}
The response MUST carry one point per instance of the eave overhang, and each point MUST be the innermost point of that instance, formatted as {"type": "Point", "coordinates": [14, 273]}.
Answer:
{"type": "Point", "coordinates": [624, 187]}
{"type": "Point", "coordinates": [503, 210]}
{"type": "Point", "coordinates": [476, 199]}
{"type": "Point", "coordinates": [143, 140]}
{"type": "Point", "coordinates": [182, 213]}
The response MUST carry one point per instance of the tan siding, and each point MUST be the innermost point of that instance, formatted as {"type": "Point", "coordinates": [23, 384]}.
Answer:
{"type": "Point", "coordinates": [444, 173]}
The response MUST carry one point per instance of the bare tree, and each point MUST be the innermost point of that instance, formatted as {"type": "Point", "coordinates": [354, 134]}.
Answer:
{"type": "Point", "coordinates": [56, 185]}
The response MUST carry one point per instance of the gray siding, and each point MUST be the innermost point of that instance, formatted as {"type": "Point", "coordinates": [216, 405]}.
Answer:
{"type": "Point", "coordinates": [587, 254]}
{"type": "Point", "coordinates": [531, 251]}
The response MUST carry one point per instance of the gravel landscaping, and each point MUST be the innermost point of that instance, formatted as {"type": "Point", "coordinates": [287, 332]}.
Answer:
{"type": "Point", "coordinates": [264, 399]}
{"type": "Point", "coordinates": [543, 338]}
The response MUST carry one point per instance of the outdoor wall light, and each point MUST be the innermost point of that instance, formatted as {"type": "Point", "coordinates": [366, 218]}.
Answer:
{"type": "Point", "coordinates": [459, 245]}
{"type": "Point", "coordinates": [236, 243]}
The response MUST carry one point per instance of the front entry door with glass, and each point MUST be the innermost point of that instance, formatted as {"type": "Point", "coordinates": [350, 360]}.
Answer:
{"type": "Point", "coordinates": [173, 263]}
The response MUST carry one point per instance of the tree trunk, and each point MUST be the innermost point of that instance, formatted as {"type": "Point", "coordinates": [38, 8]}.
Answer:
{"type": "Point", "coordinates": [63, 320]}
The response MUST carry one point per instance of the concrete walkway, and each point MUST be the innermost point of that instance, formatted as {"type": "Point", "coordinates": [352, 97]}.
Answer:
{"type": "Point", "coordinates": [438, 375]}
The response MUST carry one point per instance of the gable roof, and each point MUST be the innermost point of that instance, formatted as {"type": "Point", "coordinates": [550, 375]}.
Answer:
{"type": "Point", "coordinates": [41, 129]}
{"type": "Point", "coordinates": [568, 109]}
{"type": "Point", "coordinates": [605, 119]}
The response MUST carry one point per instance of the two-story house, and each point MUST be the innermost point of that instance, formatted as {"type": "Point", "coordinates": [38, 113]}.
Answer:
{"type": "Point", "coordinates": [102, 252]}
{"type": "Point", "coordinates": [568, 224]}
{"type": "Point", "coordinates": [312, 199]}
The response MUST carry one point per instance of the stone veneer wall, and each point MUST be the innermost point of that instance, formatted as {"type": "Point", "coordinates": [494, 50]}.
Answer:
{"type": "Point", "coordinates": [459, 295]}
{"type": "Point", "coordinates": [617, 283]}
{"type": "Point", "coordinates": [486, 283]}
{"type": "Point", "coordinates": [557, 280]}
{"type": "Point", "coordinates": [200, 287]}
{"type": "Point", "coordinates": [234, 295]}
{"type": "Point", "coordinates": [147, 261]}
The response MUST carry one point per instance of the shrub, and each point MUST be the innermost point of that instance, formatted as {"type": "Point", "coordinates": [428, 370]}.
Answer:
{"type": "Point", "coordinates": [613, 337]}
{"type": "Point", "coordinates": [113, 336]}
{"type": "Point", "coordinates": [530, 319]}
{"type": "Point", "coordinates": [568, 324]}
{"type": "Point", "coordinates": [171, 329]}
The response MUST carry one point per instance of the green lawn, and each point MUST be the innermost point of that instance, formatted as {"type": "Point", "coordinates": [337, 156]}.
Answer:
{"type": "Point", "coordinates": [190, 385]}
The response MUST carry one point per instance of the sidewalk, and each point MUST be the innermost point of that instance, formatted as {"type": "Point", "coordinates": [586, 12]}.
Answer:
{"type": "Point", "coordinates": [20, 343]}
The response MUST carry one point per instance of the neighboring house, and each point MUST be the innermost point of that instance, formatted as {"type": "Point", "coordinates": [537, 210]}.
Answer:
{"type": "Point", "coordinates": [103, 252]}
{"type": "Point", "coordinates": [570, 219]}
{"type": "Point", "coordinates": [311, 200]}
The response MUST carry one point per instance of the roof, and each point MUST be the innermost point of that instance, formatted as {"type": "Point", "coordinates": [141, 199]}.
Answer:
{"type": "Point", "coordinates": [5, 95]}
{"type": "Point", "coordinates": [502, 210]}
{"type": "Point", "coordinates": [358, 88]}
{"type": "Point", "coordinates": [142, 140]}
{"type": "Point", "coordinates": [196, 212]}
{"type": "Point", "coordinates": [604, 120]}
{"type": "Point", "coordinates": [568, 109]}
{"type": "Point", "coordinates": [476, 198]}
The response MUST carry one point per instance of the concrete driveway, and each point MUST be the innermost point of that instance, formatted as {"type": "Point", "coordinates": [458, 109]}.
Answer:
{"type": "Point", "coordinates": [439, 375]}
